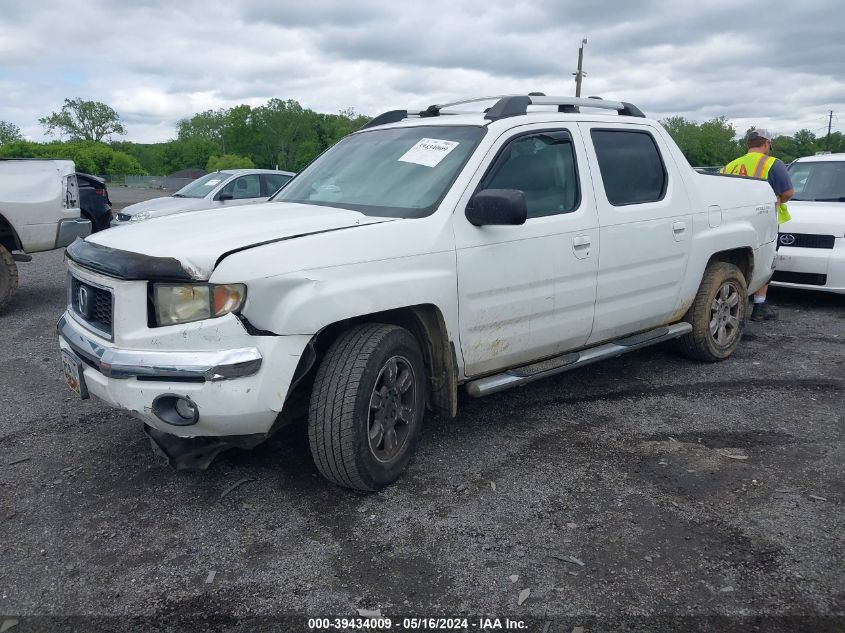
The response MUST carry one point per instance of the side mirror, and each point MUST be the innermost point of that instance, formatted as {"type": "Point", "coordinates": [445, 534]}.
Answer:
{"type": "Point", "coordinates": [222, 197]}
{"type": "Point", "coordinates": [497, 207]}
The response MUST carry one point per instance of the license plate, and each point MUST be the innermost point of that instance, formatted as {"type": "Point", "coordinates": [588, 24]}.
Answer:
{"type": "Point", "coordinates": [74, 378]}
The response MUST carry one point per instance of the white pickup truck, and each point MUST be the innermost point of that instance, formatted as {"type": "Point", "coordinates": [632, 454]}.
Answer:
{"type": "Point", "coordinates": [39, 211]}
{"type": "Point", "coordinates": [428, 251]}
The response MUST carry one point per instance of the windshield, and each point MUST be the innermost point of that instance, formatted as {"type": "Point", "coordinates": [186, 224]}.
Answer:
{"type": "Point", "coordinates": [202, 186]}
{"type": "Point", "coordinates": [820, 181]}
{"type": "Point", "coordinates": [398, 172]}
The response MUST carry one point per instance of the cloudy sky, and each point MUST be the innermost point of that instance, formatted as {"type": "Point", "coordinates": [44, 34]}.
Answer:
{"type": "Point", "coordinates": [766, 62]}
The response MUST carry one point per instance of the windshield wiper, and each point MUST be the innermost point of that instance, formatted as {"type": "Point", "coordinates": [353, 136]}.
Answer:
{"type": "Point", "coordinates": [178, 195]}
{"type": "Point", "coordinates": [839, 199]}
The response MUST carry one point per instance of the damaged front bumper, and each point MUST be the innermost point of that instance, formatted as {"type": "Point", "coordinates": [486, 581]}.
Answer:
{"type": "Point", "coordinates": [159, 365]}
{"type": "Point", "coordinates": [236, 391]}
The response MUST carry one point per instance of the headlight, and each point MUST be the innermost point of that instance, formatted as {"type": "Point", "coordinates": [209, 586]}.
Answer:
{"type": "Point", "coordinates": [183, 303]}
{"type": "Point", "coordinates": [143, 215]}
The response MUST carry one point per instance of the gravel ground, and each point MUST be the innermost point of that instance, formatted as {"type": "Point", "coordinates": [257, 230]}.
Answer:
{"type": "Point", "coordinates": [648, 491]}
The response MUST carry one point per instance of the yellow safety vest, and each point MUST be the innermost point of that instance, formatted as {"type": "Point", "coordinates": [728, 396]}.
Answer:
{"type": "Point", "coordinates": [756, 165]}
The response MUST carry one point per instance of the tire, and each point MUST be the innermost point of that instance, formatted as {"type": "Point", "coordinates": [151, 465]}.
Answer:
{"type": "Point", "coordinates": [8, 277]}
{"type": "Point", "coordinates": [717, 315]}
{"type": "Point", "coordinates": [349, 433]}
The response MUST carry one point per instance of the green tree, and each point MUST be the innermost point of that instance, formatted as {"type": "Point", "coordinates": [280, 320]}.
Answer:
{"type": "Point", "coordinates": [188, 153]}
{"type": "Point", "coordinates": [281, 132]}
{"type": "Point", "coordinates": [805, 143]}
{"type": "Point", "coordinates": [123, 164]}
{"type": "Point", "coordinates": [784, 147]}
{"type": "Point", "coordinates": [836, 143]}
{"type": "Point", "coordinates": [716, 142]}
{"type": "Point", "coordinates": [20, 149]}
{"type": "Point", "coordinates": [83, 120]}
{"type": "Point", "coordinates": [149, 155]}
{"type": "Point", "coordinates": [206, 125]}
{"type": "Point", "coordinates": [229, 161]}
{"type": "Point", "coordinates": [9, 132]}
{"type": "Point", "coordinates": [704, 144]}
{"type": "Point", "coordinates": [241, 133]}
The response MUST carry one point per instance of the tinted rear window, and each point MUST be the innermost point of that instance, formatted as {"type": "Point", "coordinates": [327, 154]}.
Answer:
{"type": "Point", "coordinates": [631, 166]}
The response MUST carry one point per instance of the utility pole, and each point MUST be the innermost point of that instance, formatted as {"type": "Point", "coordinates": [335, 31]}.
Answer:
{"type": "Point", "coordinates": [829, 125]}
{"type": "Point", "coordinates": [579, 74]}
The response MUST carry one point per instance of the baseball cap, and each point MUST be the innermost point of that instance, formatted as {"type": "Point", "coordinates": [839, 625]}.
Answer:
{"type": "Point", "coordinates": [758, 132]}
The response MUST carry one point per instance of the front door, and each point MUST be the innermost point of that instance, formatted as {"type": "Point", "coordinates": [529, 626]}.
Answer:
{"type": "Point", "coordinates": [243, 189]}
{"type": "Point", "coordinates": [528, 292]}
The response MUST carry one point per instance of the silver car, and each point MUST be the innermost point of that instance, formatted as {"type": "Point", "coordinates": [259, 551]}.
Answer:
{"type": "Point", "coordinates": [229, 187]}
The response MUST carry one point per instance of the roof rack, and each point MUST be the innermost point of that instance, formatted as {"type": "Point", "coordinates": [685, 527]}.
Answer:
{"type": "Point", "coordinates": [512, 105]}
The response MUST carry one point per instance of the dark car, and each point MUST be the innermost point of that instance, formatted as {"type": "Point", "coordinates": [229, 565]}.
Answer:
{"type": "Point", "coordinates": [94, 201]}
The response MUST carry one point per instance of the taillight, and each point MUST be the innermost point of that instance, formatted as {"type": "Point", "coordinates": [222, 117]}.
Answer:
{"type": "Point", "coordinates": [100, 192]}
{"type": "Point", "coordinates": [71, 188]}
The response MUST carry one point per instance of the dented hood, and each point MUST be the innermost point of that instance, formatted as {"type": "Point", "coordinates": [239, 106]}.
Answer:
{"type": "Point", "coordinates": [196, 242]}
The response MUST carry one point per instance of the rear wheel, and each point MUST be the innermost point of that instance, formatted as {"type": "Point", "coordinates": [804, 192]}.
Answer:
{"type": "Point", "coordinates": [8, 277]}
{"type": "Point", "coordinates": [717, 314]}
{"type": "Point", "coordinates": [367, 406]}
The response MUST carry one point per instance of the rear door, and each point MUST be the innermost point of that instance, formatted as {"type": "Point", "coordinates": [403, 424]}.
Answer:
{"type": "Point", "coordinates": [645, 228]}
{"type": "Point", "coordinates": [527, 292]}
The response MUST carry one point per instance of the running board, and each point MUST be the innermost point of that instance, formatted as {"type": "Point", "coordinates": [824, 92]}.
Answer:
{"type": "Point", "coordinates": [559, 364]}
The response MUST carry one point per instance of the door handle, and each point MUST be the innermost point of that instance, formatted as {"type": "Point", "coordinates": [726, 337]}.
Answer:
{"type": "Point", "coordinates": [678, 230]}
{"type": "Point", "coordinates": [581, 246]}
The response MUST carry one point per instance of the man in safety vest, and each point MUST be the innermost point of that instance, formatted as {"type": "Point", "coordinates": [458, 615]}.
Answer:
{"type": "Point", "coordinates": [758, 163]}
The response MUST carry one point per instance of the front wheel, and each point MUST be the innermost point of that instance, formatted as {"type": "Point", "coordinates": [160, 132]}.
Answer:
{"type": "Point", "coordinates": [717, 314]}
{"type": "Point", "coordinates": [367, 406]}
{"type": "Point", "coordinates": [8, 277]}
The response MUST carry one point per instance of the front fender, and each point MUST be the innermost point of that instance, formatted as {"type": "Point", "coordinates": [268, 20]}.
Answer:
{"type": "Point", "coordinates": [304, 302]}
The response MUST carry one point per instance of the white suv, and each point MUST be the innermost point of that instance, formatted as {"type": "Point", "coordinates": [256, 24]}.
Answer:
{"type": "Point", "coordinates": [428, 251]}
{"type": "Point", "coordinates": [812, 243]}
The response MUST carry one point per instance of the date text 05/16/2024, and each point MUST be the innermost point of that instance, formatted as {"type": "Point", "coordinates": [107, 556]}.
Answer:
{"type": "Point", "coordinates": [417, 624]}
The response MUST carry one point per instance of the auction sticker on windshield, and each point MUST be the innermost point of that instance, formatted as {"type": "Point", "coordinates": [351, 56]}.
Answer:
{"type": "Point", "coordinates": [211, 183]}
{"type": "Point", "coordinates": [428, 152]}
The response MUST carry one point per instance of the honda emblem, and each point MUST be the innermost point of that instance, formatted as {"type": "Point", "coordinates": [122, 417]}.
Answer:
{"type": "Point", "coordinates": [82, 301]}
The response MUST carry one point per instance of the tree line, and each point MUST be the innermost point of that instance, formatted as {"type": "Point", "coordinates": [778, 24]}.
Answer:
{"type": "Point", "coordinates": [716, 143]}
{"type": "Point", "coordinates": [282, 134]}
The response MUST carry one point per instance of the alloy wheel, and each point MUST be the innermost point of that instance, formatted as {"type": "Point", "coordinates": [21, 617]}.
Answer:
{"type": "Point", "coordinates": [724, 314]}
{"type": "Point", "coordinates": [391, 411]}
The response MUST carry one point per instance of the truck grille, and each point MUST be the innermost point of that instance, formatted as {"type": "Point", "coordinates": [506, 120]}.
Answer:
{"type": "Point", "coordinates": [809, 279]}
{"type": "Point", "coordinates": [806, 240]}
{"type": "Point", "coordinates": [92, 304]}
